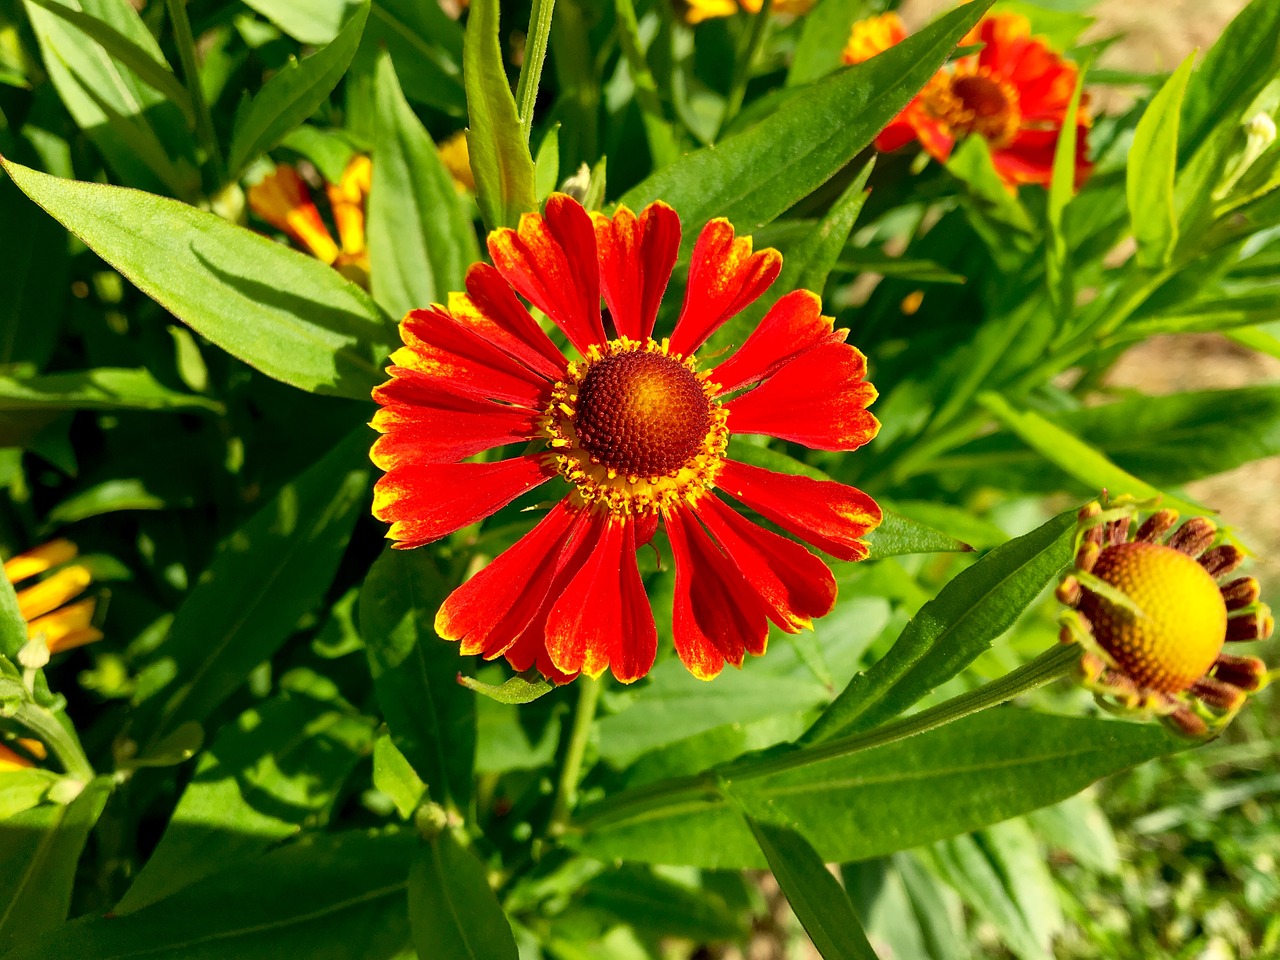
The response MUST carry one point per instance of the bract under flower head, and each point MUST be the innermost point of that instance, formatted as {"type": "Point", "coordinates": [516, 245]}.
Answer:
{"type": "Point", "coordinates": [45, 604]}
{"type": "Point", "coordinates": [1154, 618]}
{"type": "Point", "coordinates": [637, 428]}
{"type": "Point", "coordinates": [1014, 93]}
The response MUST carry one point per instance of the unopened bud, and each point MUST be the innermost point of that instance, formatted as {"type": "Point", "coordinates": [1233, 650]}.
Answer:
{"type": "Point", "coordinates": [1260, 134]}
{"type": "Point", "coordinates": [34, 654]}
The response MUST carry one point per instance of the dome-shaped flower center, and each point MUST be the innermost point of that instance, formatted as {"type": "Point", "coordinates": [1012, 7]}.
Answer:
{"type": "Point", "coordinates": [1184, 621]}
{"type": "Point", "coordinates": [642, 414]}
{"type": "Point", "coordinates": [975, 103]}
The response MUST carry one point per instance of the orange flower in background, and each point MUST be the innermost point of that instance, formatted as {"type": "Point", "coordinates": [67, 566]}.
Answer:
{"type": "Point", "coordinates": [696, 11]}
{"type": "Point", "coordinates": [638, 428]}
{"type": "Point", "coordinates": [1014, 93]}
{"type": "Point", "coordinates": [456, 157]}
{"type": "Point", "coordinates": [45, 605]}
{"type": "Point", "coordinates": [283, 200]}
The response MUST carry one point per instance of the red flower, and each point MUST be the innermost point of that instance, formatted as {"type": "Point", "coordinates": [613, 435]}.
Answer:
{"type": "Point", "coordinates": [638, 429]}
{"type": "Point", "coordinates": [1014, 93]}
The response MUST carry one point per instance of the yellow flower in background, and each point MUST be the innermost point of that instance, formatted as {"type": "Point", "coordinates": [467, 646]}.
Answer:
{"type": "Point", "coordinates": [696, 11]}
{"type": "Point", "coordinates": [457, 160]}
{"type": "Point", "coordinates": [10, 761]}
{"type": "Point", "coordinates": [283, 200]}
{"type": "Point", "coordinates": [46, 605]}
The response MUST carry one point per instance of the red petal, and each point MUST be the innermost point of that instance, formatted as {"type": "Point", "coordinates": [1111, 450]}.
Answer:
{"type": "Point", "coordinates": [489, 611]}
{"type": "Point", "coordinates": [597, 623]}
{"type": "Point", "coordinates": [724, 277]}
{"type": "Point", "coordinates": [439, 346]}
{"type": "Point", "coordinates": [819, 399]}
{"type": "Point", "coordinates": [423, 422]}
{"type": "Point", "coordinates": [636, 257]}
{"type": "Point", "coordinates": [716, 616]}
{"type": "Point", "coordinates": [551, 260]}
{"type": "Point", "coordinates": [796, 585]}
{"type": "Point", "coordinates": [1029, 159]}
{"type": "Point", "coordinates": [426, 501]}
{"type": "Point", "coordinates": [493, 310]}
{"type": "Point", "coordinates": [827, 514]}
{"type": "Point", "coordinates": [793, 325]}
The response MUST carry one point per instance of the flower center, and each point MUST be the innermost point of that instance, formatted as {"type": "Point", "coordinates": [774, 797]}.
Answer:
{"type": "Point", "coordinates": [1184, 620]}
{"type": "Point", "coordinates": [635, 428]}
{"type": "Point", "coordinates": [975, 103]}
{"type": "Point", "coordinates": [641, 413]}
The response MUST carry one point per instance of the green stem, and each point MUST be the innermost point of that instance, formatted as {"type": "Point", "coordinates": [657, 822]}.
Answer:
{"type": "Point", "coordinates": [747, 60]}
{"type": "Point", "coordinates": [708, 787]}
{"type": "Point", "coordinates": [571, 771]}
{"type": "Point", "coordinates": [191, 74]}
{"type": "Point", "coordinates": [535, 53]}
{"type": "Point", "coordinates": [55, 736]}
{"type": "Point", "coordinates": [662, 144]}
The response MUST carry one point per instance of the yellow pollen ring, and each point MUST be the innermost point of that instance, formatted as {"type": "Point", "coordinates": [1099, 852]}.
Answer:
{"type": "Point", "coordinates": [975, 101]}
{"type": "Point", "coordinates": [600, 485]}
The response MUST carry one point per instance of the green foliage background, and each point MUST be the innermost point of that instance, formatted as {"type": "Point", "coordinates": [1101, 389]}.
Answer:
{"type": "Point", "coordinates": [269, 755]}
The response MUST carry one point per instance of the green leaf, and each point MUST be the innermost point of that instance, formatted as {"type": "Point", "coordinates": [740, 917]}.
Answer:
{"type": "Point", "coordinates": [1062, 188]}
{"type": "Point", "coordinates": [13, 625]}
{"type": "Point", "coordinates": [823, 35]}
{"type": "Point", "coordinates": [1070, 453]}
{"type": "Point", "coordinates": [970, 870]}
{"type": "Point", "coordinates": [426, 46]}
{"type": "Point", "coordinates": [276, 769]}
{"type": "Point", "coordinates": [986, 768]}
{"type": "Point", "coordinates": [660, 907]}
{"type": "Point", "coordinates": [522, 688]}
{"type": "Point", "coordinates": [102, 389]}
{"type": "Point", "coordinates": [421, 239]}
{"type": "Point", "coordinates": [546, 168]}
{"type": "Point", "coordinates": [40, 848]}
{"type": "Point", "coordinates": [1171, 439]}
{"type": "Point", "coordinates": [144, 138]}
{"type": "Point", "coordinates": [815, 895]}
{"type": "Point", "coordinates": [1153, 162]}
{"type": "Point", "coordinates": [898, 535]}
{"type": "Point", "coordinates": [144, 60]}
{"type": "Point", "coordinates": [314, 22]}
{"type": "Point", "coordinates": [33, 274]}
{"type": "Point", "coordinates": [868, 260]}
{"type": "Point", "coordinates": [431, 718]}
{"type": "Point", "coordinates": [500, 158]}
{"type": "Point", "coordinates": [1244, 59]}
{"type": "Point", "coordinates": [755, 175]}
{"type": "Point", "coordinates": [22, 789]}
{"type": "Point", "coordinates": [284, 313]}
{"type": "Point", "coordinates": [950, 631]}
{"type": "Point", "coordinates": [393, 775]}
{"type": "Point", "coordinates": [452, 908]}
{"type": "Point", "coordinates": [989, 201]}
{"type": "Point", "coordinates": [292, 95]}
{"type": "Point", "coordinates": [326, 896]}
{"type": "Point", "coordinates": [262, 580]}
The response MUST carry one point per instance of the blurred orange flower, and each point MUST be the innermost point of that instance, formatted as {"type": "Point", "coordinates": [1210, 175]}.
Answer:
{"type": "Point", "coordinates": [283, 200]}
{"type": "Point", "coordinates": [1014, 93]}
{"type": "Point", "coordinates": [46, 605]}
{"type": "Point", "coordinates": [695, 11]}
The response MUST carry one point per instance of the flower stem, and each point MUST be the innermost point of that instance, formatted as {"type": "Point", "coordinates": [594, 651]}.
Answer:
{"type": "Point", "coordinates": [571, 771]}
{"type": "Point", "coordinates": [535, 52]}
{"type": "Point", "coordinates": [709, 786]}
{"type": "Point", "coordinates": [186, 45]}
{"type": "Point", "coordinates": [747, 60]}
{"type": "Point", "coordinates": [55, 736]}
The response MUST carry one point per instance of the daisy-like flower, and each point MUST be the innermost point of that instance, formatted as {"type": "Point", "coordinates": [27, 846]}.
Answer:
{"type": "Point", "coordinates": [1153, 616]}
{"type": "Point", "coordinates": [696, 11]}
{"type": "Point", "coordinates": [283, 200]}
{"type": "Point", "coordinates": [1014, 93]}
{"type": "Point", "coordinates": [46, 605]}
{"type": "Point", "coordinates": [638, 428]}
